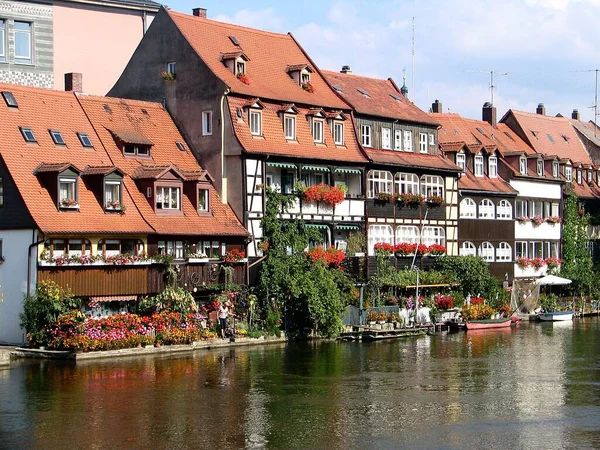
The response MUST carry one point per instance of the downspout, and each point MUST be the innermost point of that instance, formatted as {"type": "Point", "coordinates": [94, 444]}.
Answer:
{"type": "Point", "coordinates": [144, 22]}
{"type": "Point", "coordinates": [34, 244]}
{"type": "Point", "coordinates": [224, 187]}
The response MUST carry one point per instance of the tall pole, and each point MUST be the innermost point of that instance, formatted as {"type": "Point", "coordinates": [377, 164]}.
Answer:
{"type": "Point", "coordinates": [596, 105]}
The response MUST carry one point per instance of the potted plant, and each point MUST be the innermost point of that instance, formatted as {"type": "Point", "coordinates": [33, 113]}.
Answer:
{"type": "Point", "coordinates": [372, 317]}
{"type": "Point", "coordinates": [243, 78]}
{"type": "Point", "coordinates": [537, 220]}
{"type": "Point", "coordinates": [381, 318]}
{"type": "Point", "coordinates": [405, 249]}
{"type": "Point", "coordinates": [308, 87]}
{"type": "Point", "coordinates": [167, 76]}
{"type": "Point", "coordinates": [115, 205]}
{"type": "Point", "coordinates": [235, 256]}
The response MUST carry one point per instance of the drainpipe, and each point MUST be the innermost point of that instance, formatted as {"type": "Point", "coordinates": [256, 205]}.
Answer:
{"type": "Point", "coordinates": [224, 187]}
{"type": "Point", "coordinates": [144, 22]}
{"type": "Point", "coordinates": [34, 244]}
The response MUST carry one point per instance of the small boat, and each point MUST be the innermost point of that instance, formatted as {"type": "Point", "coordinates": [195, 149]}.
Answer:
{"type": "Point", "coordinates": [490, 323]}
{"type": "Point", "coordinates": [556, 316]}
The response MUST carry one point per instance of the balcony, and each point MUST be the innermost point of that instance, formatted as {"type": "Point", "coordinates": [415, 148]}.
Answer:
{"type": "Point", "coordinates": [543, 231]}
{"type": "Point", "coordinates": [377, 208]}
{"type": "Point", "coordinates": [351, 209]}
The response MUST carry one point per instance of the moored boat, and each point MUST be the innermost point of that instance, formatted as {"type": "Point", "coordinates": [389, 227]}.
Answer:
{"type": "Point", "coordinates": [556, 316]}
{"type": "Point", "coordinates": [489, 323]}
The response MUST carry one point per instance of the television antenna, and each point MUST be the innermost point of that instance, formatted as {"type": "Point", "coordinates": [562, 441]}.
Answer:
{"type": "Point", "coordinates": [595, 105]}
{"type": "Point", "coordinates": [492, 85]}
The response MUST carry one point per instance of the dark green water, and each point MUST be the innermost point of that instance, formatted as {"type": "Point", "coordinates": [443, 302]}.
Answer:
{"type": "Point", "coordinates": [534, 387]}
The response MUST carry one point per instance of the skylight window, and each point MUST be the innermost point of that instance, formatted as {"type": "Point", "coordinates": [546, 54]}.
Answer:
{"type": "Point", "coordinates": [85, 140]}
{"type": "Point", "coordinates": [144, 112]}
{"type": "Point", "coordinates": [28, 134]}
{"type": "Point", "coordinates": [337, 88]}
{"type": "Point", "coordinates": [10, 99]}
{"type": "Point", "coordinates": [363, 92]}
{"type": "Point", "coordinates": [566, 138]}
{"type": "Point", "coordinates": [550, 138]}
{"type": "Point", "coordinates": [396, 97]}
{"type": "Point", "coordinates": [107, 108]}
{"type": "Point", "coordinates": [180, 146]}
{"type": "Point", "coordinates": [455, 131]}
{"type": "Point", "coordinates": [535, 133]}
{"type": "Point", "coordinates": [57, 137]}
{"type": "Point", "coordinates": [234, 40]}
{"type": "Point", "coordinates": [509, 135]}
{"type": "Point", "coordinates": [481, 130]}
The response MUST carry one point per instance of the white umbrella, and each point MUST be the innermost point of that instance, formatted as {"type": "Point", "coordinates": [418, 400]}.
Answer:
{"type": "Point", "coordinates": [552, 280]}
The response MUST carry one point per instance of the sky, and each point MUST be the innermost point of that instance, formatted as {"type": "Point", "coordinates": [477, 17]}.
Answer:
{"type": "Point", "coordinates": [541, 50]}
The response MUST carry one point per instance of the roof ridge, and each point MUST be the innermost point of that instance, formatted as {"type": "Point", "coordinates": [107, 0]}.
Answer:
{"type": "Point", "coordinates": [100, 98]}
{"type": "Point", "coordinates": [541, 116]}
{"type": "Point", "coordinates": [227, 24]}
{"type": "Point", "coordinates": [385, 80]}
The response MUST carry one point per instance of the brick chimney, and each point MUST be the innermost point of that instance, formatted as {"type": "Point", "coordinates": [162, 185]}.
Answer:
{"type": "Point", "coordinates": [74, 82]}
{"type": "Point", "coordinates": [541, 109]}
{"type": "Point", "coordinates": [345, 69]}
{"type": "Point", "coordinates": [199, 12]}
{"type": "Point", "coordinates": [436, 107]}
{"type": "Point", "coordinates": [575, 115]}
{"type": "Point", "coordinates": [488, 114]}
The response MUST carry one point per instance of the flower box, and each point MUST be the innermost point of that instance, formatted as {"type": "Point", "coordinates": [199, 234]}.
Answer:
{"type": "Point", "coordinates": [198, 260]}
{"type": "Point", "coordinates": [76, 206]}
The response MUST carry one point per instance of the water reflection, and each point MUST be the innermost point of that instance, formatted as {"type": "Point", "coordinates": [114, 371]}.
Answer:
{"type": "Point", "coordinates": [538, 385]}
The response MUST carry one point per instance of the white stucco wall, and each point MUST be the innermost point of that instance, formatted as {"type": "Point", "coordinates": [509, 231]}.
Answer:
{"type": "Point", "coordinates": [550, 191]}
{"type": "Point", "coordinates": [13, 282]}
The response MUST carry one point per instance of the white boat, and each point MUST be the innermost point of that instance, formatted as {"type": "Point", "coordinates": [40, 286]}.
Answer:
{"type": "Point", "coordinates": [556, 316]}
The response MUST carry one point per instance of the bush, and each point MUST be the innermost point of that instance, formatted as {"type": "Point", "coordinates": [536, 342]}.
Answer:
{"type": "Point", "coordinates": [472, 272]}
{"type": "Point", "coordinates": [477, 312]}
{"type": "Point", "coordinates": [41, 310]}
{"type": "Point", "coordinates": [171, 299]}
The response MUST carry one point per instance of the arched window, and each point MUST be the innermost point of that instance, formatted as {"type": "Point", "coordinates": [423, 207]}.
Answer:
{"type": "Point", "coordinates": [379, 233]}
{"type": "Point", "coordinates": [112, 247]}
{"type": "Point", "coordinates": [504, 210]}
{"type": "Point", "coordinates": [504, 252]}
{"type": "Point", "coordinates": [468, 249]}
{"type": "Point", "coordinates": [407, 233]}
{"type": "Point", "coordinates": [406, 183]}
{"type": "Point", "coordinates": [379, 181]}
{"type": "Point", "coordinates": [468, 209]}
{"type": "Point", "coordinates": [486, 209]}
{"type": "Point", "coordinates": [486, 251]}
{"type": "Point", "coordinates": [67, 247]}
{"type": "Point", "coordinates": [432, 185]}
{"type": "Point", "coordinates": [433, 235]}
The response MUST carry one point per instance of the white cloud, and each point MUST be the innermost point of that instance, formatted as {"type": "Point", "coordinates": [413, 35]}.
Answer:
{"type": "Point", "coordinates": [264, 19]}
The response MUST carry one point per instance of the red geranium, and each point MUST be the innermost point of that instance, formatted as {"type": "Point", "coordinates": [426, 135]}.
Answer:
{"type": "Point", "coordinates": [234, 256]}
{"type": "Point", "coordinates": [331, 257]}
{"type": "Point", "coordinates": [383, 247]}
{"type": "Point", "coordinates": [437, 249]}
{"type": "Point", "coordinates": [405, 249]}
{"type": "Point", "coordinates": [477, 300]}
{"type": "Point", "coordinates": [334, 195]}
{"type": "Point", "coordinates": [444, 302]}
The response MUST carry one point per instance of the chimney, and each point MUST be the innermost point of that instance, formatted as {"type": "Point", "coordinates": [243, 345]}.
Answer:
{"type": "Point", "coordinates": [541, 109]}
{"type": "Point", "coordinates": [488, 114]}
{"type": "Point", "coordinates": [345, 69]}
{"type": "Point", "coordinates": [575, 115]}
{"type": "Point", "coordinates": [199, 12]}
{"type": "Point", "coordinates": [74, 82]}
{"type": "Point", "coordinates": [436, 107]}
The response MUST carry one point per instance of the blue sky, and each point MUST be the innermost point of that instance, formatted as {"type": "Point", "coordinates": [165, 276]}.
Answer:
{"type": "Point", "coordinates": [540, 43]}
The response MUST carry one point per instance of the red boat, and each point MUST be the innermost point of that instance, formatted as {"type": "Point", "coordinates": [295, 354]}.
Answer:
{"type": "Point", "coordinates": [490, 323]}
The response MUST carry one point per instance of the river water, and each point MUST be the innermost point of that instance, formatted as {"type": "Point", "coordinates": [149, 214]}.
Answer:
{"type": "Point", "coordinates": [537, 386]}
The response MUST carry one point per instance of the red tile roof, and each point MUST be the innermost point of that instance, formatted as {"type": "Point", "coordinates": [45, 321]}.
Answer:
{"type": "Point", "coordinates": [407, 159]}
{"type": "Point", "coordinates": [42, 110]}
{"type": "Point", "coordinates": [472, 183]}
{"type": "Point", "coordinates": [269, 55]}
{"type": "Point", "coordinates": [550, 135]}
{"type": "Point", "coordinates": [273, 141]}
{"type": "Point", "coordinates": [379, 103]}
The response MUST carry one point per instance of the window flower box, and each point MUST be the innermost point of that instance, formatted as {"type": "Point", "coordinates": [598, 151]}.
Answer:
{"type": "Point", "coordinates": [69, 203]}
{"type": "Point", "coordinates": [115, 206]}
{"type": "Point", "coordinates": [523, 220]}
{"type": "Point", "coordinates": [197, 258]}
{"type": "Point", "coordinates": [411, 200]}
{"type": "Point", "coordinates": [553, 220]}
{"type": "Point", "coordinates": [332, 195]}
{"type": "Point", "coordinates": [235, 256]}
{"type": "Point", "coordinates": [243, 78]}
{"type": "Point", "coordinates": [167, 76]}
{"type": "Point", "coordinates": [553, 263]}
{"type": "Point", "coordinates": [434, 201]}
{"type": "Point", "coordinates": [523, 262]}
{"type": "Point", "coordinates": [384, 197]}
{"type": "Point", "coordinates": [308, 87]}
{"type": "Point", "coordinates": [537, 220]}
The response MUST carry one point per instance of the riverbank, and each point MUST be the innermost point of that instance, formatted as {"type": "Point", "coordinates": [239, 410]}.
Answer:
{"type": "Point", "coordinates": [33, 353]}
{"type": "Point", "coordinates": [4, 357]}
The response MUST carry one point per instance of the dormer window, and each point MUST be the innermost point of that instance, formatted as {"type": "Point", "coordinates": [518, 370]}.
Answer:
{"type": "Point", "coordinates": [492, 167]}
{"type": "Point", "coordinates": [301, 75]}
{"type": "Point", "coordinates": [460, 161]}
{"type": "Point", "coordinates": [236, 63]}
{"type": "Point", "coordinates": [578, 176]}
{"type": "Point", "coordinates": [203, 199]}
{"type": "Point", "coordinates": [523, 165]}
{"type": "Point", "coordinates": [305, 77]}
{"type": "Point", "coordinates": [136, 150]}
{"type": "Point", "coordinates": [317, 130]}
{"type": "Point", "coordinates": [589, 176]}
{"type": "Point", "coordinates": [168, 198]}
{"type": "Point", "coordinates": [289, 127]}
{"type": "Point", "coordinates": [113, 199]}
{"type": "Point", "coordinates": [478, 165]}
{"type": "Point", "coordinates": [255, 123]}
{"type": "Point", "coordinates": [67, 192]}
{"type": "Point", "coordinates": [569, 173]}
{"type": "Point", "coordinates": [555, 169]}
{"type": "Point", "coordinates": [338, 133]}
{"type": "Point", "coordinates": [132, 142]}
{"type": "Point", "coordinates": [240, 67]}
{"type": "Point", "coordinates": [540, 168]}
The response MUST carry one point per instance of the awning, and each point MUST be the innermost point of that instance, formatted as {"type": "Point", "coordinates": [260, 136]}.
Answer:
{"type": "Point", "coordinates": [317, 225]}
{"type": "Point", "coordinates": [316, 168]}
{"type": "Point", "coordinates": [281, 165]}
{"type": "Point", "coordinates": [114, 298]}
{"type": "Point", "coordinates": [346, 170]}
{"type": "Point", "coordinates": [347, 227]}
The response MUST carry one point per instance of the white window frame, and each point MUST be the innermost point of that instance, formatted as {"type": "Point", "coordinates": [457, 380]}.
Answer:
{"type": "Point", "coordinates": [110, 187]}
{"type": "Point", "coordinates": [537, 208]}
{"type": "Point", "coordinates": [478, 165]}
{"type": "Point", "coordinates": [3, 39]}
{"type": "Point", "coordinates": [523, 165]}
{"type": "Point", "coordinates": [366, 137]}
{"type": "Point", "coordinates": [423, 143]}
{"type": "Point", "coordinates": [407, 144]}
{"type": "Point", "coordinates": [166, 192]}
{"type": "Point", "coordinates": [379, 233]}
{"type": "Point", "coordinates": [379, 181]}
{"type": "Point", "coordinates": [540, 167]}
{"type": "Point", "coordinates": [468, 249]}
{"type": "Point", "coordinates": [504, 252]}
{"type": "Point", "coordinates": [486, 251]}
{"type": "Point", "coordinates": [569, 173]}
{"type": "Point", "coordinates": [555, 169]}
{"type": "Point", "coordinates": [521, 249]}
{"type": "Point", "coordinates": [408, 234]}
{"type": "Point", "coordinates": [493, 167]}
{"type": "Point", "coordinates": [433, 235]}
{"type": "Point", "coordinates": [207, 123]}
{"type": "Point", "coordinates": [172, 67]}
{"type": "Point", "coordinates": [317, 130]}
{"type": "Point", "coordinates": [406, 183]}
{"type": "Point", "coordinates": [206, 193]}
{"type": "Point", "coordinates": [289, 127]}
{"type": "Point", "coordinates": [71, 184]}
{"type": "Point", "coordinates": [524, 208]}
{"type": "Point", "coordinates": [504, 210]}
{"type": "Point", "coordinates": [534, 246]}
{"type": "Point", "coordinates": [432, 185]}
{"type": "Point", "coordinates": [24, 59]}
{"type": "Point", "coordinates": [398, 140]}
{"type": "Point", "coordinates": [589, 176]}
{"type": "Point", "coordinates": [461, 161]}
{"type": "Point", "coordinates": [386, 138]}
{"type": "Point", "coordinates": [487, 209]}
{"type": "Point", "coordinates": [431, 139]}
{"type": "Point", "coordinates": [468, 209]}
{"type": "Point", "coordinates": [579, 179]}
{"type": "Point", "coordinates": [338, 132]}
{"type": "Point", "coordinates": [255, 119]}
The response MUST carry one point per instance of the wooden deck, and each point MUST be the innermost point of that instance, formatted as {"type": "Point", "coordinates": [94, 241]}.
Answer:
{"type": "Point", "coordinates": [366, 333]}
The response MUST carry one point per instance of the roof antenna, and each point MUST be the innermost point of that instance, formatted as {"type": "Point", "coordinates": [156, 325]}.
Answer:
{"type": "Point", "coordinates": [492, 85]}
{"type": "Point", "coordinates": [413, 53]}
{"type": "Point", "coordinates": [595, 105]}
